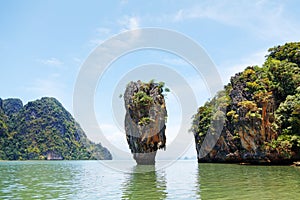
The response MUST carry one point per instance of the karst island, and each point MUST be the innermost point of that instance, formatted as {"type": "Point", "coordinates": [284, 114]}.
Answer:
{"type": "Point", "coordinates": [145, 120]}
{"type": "Point", "coordinates": [261, 111]}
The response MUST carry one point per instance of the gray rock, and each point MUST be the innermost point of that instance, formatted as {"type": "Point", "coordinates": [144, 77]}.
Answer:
{"type": "Point", "coordinates": [145, 120]}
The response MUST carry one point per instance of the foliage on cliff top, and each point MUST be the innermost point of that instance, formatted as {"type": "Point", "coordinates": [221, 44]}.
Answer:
{"type": "Point", "coordinates": [143, 99]}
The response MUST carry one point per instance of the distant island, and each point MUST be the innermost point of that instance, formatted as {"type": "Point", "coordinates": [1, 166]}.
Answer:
{"type": "Point", "coordinates": [43, 130]}
{"type": "Point", "coordinates": [261, 109]}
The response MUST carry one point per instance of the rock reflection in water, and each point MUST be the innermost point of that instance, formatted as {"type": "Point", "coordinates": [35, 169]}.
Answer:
{"type": "Point", "coordinates": [145, 183]}
{"type": "Point", "coordinates": [228, 181]}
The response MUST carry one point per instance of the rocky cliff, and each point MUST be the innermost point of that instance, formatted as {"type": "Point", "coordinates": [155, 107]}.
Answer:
{"type": "Point", "coordinates": [145, 120]}
{"type": "Point", "coordinates": [43, 129]}
{"type": "Point", "coordinates": [261, 106]}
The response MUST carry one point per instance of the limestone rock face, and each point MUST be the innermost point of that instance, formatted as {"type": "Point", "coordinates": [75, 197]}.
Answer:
{"type": "Point", "coordinates": [251, 131]}
{"type": "Point", "coordinates": [145, 120]}
{"type": "Point", "coordinates": [261, 108]}
{"type": "Point", "coordinates": [243, 138]}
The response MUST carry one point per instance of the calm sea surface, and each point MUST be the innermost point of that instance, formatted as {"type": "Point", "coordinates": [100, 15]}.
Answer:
{"type": "Point", "coordinates": [181, 180]}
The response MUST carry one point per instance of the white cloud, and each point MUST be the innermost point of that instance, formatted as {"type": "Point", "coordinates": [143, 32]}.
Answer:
{"type": "Point", "coordinates": [129, 23]}
{"type": "Point", "coordinates": [50, 87]}
{"type": "Point", "coordinates": [102, 34]}
{"type": "Point", "coordinates": [133, 23]}
{"type": "Point", "coordinates": [51, 61]}
{"type": "Point", "coordinates": [231, 67]}
{"type": "Point", "coordinates": [125, 23]}
{"type": "Point", "coordinates": [264, 18]}
{"type": "Point", "coordinates": [204, 10]}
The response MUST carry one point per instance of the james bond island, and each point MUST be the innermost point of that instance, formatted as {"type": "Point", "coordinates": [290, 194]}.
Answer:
{"type": "Point", "coordinates": [145, 120]}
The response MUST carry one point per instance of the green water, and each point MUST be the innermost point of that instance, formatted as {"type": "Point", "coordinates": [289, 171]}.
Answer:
{"type": "Point", "coordinates": [182, 180]}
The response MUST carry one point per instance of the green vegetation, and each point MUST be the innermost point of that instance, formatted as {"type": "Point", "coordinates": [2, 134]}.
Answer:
{"type": "Point", "coordinates": [212, 111]}
{"type": "Point", "coordinates": [145, 120]}
{"type": "Point", "coordinates": [289, 52]}
{"type": "Point", "coordinates": [288, 120]}
{"type": "Point", "coordinates": [44, 129]}
{"type": "Point", "coordinates": [143, 100]}
{"type": "Point", "coordinates": [263, 101]}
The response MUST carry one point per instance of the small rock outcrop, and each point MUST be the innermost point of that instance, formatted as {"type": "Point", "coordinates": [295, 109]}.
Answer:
{"type": "Point", "coordinates": [145, 120]}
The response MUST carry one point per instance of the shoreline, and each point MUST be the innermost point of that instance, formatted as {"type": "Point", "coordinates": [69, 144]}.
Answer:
{"type": "Point", "coordinates": [291, 163]}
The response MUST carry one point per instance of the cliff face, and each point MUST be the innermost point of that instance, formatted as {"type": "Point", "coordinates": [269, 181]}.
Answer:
{"type": "Point", "coordinates": [145, 120]}
{"type": "Point", "coordinates": [262, 110]}
{"type": "Point", "coordinates": [43, 129]}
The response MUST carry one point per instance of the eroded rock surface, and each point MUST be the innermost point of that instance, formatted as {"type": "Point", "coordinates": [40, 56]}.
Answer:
{"type": "Point", "coordinates": [145, 120]}
{"type": "Point", "coordinates": [261, 111]}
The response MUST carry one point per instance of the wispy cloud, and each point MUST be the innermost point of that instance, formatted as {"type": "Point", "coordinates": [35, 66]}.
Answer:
{"type": "Point", "coordinates": [203, 10]}
{"type": "Point", "coordinates": [230, 67]}
{"type": "Point", "coordinates": [264, 18]}
{"type": "Point", "coordinates": [50, 87]}
{"type": "Point", "coordinates": [102, 33]}
{"type": "Point", "coordinates": [51, 61]}
{"type": "Point", "coordinates": [129, 23]}
{"type": "Point", "coordinates": [125, 23]}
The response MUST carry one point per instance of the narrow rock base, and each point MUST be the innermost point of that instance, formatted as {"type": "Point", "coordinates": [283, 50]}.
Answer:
{"type": "Point", "coordinates": [145, 158]}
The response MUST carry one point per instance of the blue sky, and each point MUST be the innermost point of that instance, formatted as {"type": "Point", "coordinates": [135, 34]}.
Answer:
{"type": "Point", "coordinates": [43, 44]}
